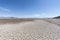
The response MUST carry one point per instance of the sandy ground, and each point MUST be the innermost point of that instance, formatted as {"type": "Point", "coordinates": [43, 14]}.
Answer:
{"type": "Point", "coordinates": [31, 30]}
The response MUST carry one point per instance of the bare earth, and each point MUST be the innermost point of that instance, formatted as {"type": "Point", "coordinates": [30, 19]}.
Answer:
{"type": "Point", "coordinates": [37, 29]}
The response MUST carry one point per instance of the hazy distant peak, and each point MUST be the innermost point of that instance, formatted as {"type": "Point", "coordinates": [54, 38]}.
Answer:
{"type": "Point", "coordinates": [57, 17]}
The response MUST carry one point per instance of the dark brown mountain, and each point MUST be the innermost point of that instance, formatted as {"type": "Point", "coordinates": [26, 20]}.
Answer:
{"type": "Point", "coordinates": [57, 17]}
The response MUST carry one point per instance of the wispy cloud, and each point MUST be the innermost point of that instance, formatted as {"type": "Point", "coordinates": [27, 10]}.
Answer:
{"type": "Point", "coordinates": [4, 9]}
{"type": "Point", "coordinates": [42, 15]}
{"type": "Point", "coordinates": [35, 15]}
{"type": "Point", "coordinates": [30, 16]}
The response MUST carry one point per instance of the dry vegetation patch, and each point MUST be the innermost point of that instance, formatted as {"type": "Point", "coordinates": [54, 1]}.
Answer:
{"type": "Point", "coordinates": [4, 21]}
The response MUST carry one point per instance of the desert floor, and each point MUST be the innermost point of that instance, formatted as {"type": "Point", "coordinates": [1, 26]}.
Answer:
{"type": "Point", "coordinates": [31, 29]}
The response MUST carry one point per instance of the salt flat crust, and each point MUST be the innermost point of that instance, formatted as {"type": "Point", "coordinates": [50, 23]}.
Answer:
{"type": "Point", "coordinates": [35, 30]}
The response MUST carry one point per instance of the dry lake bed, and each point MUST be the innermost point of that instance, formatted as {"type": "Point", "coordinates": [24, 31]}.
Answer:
{"type": "Point", "coordinates": [30, 29]}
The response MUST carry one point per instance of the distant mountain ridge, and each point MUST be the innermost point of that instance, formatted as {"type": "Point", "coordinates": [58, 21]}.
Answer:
{"type": "Point", "coordinates": [57, 17]}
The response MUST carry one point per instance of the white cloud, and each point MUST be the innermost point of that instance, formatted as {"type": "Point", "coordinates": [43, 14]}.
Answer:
{"type": "Point", "coordinates": [41, 15]}
{"type": "Point", "coordinates": [30, 16]}
{"type": "Point", "coordinates": [4, 9]}
{"type": "Point", "coordinates": [5, 15]}
{"type": "Point", "coordinates": [36, 15]}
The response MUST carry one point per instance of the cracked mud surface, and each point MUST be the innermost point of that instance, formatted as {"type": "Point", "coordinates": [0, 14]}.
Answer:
{"type": "Point", "coordinates": [33, 36]}
{"type": "Point", "coordinates": [35, 30]}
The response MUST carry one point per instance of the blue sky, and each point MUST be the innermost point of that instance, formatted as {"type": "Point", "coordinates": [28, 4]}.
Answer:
{"type": "Point", "coordinates": [29, 8]}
